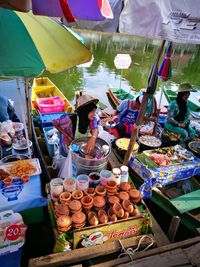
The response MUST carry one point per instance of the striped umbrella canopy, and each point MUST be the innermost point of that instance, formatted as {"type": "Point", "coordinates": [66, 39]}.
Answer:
{"type": "Point", "coordinates": [165, 71]}
{"type": "Point", "coordinates": [30, 44]}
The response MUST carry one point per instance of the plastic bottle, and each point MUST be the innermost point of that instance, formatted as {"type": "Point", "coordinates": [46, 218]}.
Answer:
{"type": "Point", "coordinates": [124, 173]}
{"type": "Point", "coordinates": [116, 175]}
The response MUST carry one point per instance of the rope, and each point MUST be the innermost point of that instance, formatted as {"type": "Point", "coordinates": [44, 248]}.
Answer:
{"type": "Point", "coordinates": [131, 252]}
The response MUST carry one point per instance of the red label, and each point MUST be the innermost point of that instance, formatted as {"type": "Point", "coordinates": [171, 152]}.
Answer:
{"type": "Point", "coordinates": [13, 232]}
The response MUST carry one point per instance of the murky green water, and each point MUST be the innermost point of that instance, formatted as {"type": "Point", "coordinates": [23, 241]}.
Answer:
{"type": "Point", "coordinates": [102, 73]}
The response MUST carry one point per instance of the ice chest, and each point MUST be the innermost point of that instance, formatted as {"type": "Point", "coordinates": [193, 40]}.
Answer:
{"type": "Point", "coordinates": [46, 119]}
{"type": "Point", "coordinates": [11, 259]}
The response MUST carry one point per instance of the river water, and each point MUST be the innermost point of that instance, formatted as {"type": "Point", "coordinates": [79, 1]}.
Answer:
{"type": "Point", "coordinates": [96, 79]}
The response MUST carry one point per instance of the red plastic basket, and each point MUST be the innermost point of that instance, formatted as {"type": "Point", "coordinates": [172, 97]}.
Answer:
{"type": "Point", "coordinates": [50, 104]}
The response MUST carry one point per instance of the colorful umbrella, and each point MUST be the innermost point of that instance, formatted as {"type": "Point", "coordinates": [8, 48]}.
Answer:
{"type": "Point", "coordinates": [73, 10]}
{"type": "Point", "coordinates": [30, 44]}
{"type": "Point", "coordinates": [165, 71]}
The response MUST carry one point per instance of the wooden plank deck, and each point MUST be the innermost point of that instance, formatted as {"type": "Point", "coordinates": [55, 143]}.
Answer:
{"type": "Point", "coordinates": [184, 253]}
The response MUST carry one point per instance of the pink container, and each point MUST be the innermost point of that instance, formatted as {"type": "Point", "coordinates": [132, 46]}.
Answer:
{"type": "Point", "coordinates": [50, 104]}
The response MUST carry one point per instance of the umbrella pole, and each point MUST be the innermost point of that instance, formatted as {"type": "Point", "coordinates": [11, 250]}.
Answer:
{"type": "Point", "coordinates": [120, 81]}
{"type": "Point", "coordinates": [145, 99]}
{"type": "Point", "coordinates": [28, 106]}
{"type": "Point", "coordinates": [158, 112]}
{"type": "Point", "coordinates": [23, 118]}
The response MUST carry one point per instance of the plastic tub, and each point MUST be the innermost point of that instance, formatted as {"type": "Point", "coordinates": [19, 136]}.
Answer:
{"type": "Point", "coordinates": [50, 104]}
{"type": "Point", "coordinates": [105, 175]}
{"type": "Point", "coordinates": [56, 188]}
{"type": "Point", "coordinates": [69, 184]}
{"type": "Point", "coordinates": [94, 179]}
{"type": "Point", "coordinates": [82, 182]}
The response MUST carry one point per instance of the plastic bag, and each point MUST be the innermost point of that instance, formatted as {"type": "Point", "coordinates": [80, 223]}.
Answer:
{"type": "Point", "coordinates": [7, 126]}
{"type": "Point", "coordinates": [66, 167]}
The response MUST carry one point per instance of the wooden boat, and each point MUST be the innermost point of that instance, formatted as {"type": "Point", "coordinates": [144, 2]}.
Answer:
{"type": "Point", "coordinates": [115, 96]}
{"type": "Point", "coordinates": [172, 199]}
{"type": "Point", "coordinates": [43, 87]}
{"type": "Point", "coordinates": [170, 89]}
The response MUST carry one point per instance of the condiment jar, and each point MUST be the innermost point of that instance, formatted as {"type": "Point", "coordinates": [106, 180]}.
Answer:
{"type": "Point", "coordinates": [105, 175]}
{"type": "Point", "coordinates": [69, 184]}
{"type": "Point", "coordinates": [56, 188]}
{"type": "Point", "coordinates": [82, 182]}
{"type": "Point", "coordinates": [116, 175]}
{"type": "Point", "coordinates": [124, 173]}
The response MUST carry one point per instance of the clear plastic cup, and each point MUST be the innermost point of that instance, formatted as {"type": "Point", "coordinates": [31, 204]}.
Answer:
{"type": "Point", "coordinates": [82, 182]}
{"type": "Point", "coordinates": [69, 184]}
{"type": "Point", "coordinates": [56, 188]}
{"type": "Point", "coordinates": [94, 179]}
{"type": "Point", "coordinates": [105, 175]}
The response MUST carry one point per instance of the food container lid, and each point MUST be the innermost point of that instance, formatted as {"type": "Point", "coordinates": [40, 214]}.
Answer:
{"type": "Point", "coordinates": [116, 171]}
{"type": "Point", "coordinates": [124, 168]}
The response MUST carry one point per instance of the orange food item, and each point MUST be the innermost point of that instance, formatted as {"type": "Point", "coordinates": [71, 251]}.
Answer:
{"type": "Point", "coordinates": [78, 218]}
{"type": "Point", "coordinates": [135, 195]}
{"type": "Point", "coordinates": [75, 205]}
{"type": "Point", "coordinates": [77, 194]}
{"type": "Point", "coordinates": [64, 221]}
{"type": "Point", "coordinates": [125, 186]}
{"type": "Point", "coordinates": [99, 202]}
{"type": "Point", "coordinates": [123, 195]}
{"type": "Point", "coordinates": [65, 197]}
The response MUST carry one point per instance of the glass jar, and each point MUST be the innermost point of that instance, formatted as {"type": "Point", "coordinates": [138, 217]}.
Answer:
{"type": "Point", "coordinates": [124, 173]}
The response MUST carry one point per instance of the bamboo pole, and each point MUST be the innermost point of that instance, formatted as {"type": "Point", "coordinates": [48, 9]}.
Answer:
{"type": "Point", "coordinates": [23, 117]}
{"type": "Point", "coordinates": [28, 106]}
{"type": "Point", "coordinates": [145, 99]}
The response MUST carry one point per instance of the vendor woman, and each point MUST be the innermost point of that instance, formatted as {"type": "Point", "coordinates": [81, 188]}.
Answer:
{"type": "Point", "coordinates": [90, 120]}
{"type": "Point", "coordinates": [178, 114]}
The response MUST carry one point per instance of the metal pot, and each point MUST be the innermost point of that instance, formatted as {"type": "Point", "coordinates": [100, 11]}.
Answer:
{"type": "Point", "coordinates": [82, 165]}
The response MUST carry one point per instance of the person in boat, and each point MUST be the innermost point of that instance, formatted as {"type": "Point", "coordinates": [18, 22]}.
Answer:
{"type": "Point", "coordinates": [7, 110]}
{"type": "Point", "coordinates": [89, 119]}
{"type": "Point", "coordinates": [178, 114]}
{"type": "Point", "coordinates": [127, 113]}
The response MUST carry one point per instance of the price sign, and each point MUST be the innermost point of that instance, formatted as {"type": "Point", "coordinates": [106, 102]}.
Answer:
{"type": "Point", "coordinates": [13, 232]}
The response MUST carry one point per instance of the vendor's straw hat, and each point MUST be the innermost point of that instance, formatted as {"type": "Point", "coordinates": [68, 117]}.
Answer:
{"type": "Point", "coordinates": [185, 87]}
{"type": "Point", "coordinates": [84, 100]}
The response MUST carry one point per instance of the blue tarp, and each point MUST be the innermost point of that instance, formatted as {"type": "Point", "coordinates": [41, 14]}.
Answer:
{"type": "Point", "coordinates": [161, 176]}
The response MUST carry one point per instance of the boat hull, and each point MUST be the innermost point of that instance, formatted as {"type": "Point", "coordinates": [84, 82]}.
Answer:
{"type": "Point", "coordinates": [43, 87]}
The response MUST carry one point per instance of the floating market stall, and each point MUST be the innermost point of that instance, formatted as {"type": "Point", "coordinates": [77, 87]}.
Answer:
{"type": "Point", "coordinates": [170, 176]}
